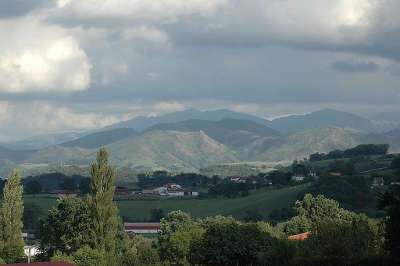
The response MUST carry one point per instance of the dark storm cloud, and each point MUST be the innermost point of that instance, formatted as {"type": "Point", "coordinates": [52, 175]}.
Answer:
{"type": "Point", "coordinates": [350, 66]}
{"type": "Point", "coordinates": [17, 8]}
{"type": "Point", "coordinates": [291, 53]}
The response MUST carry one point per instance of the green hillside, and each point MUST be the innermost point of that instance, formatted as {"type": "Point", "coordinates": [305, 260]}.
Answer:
{"type": "Point", "coordinates": [170, 149]}
{"type": "Point", "coordinates": [100, 139]}
{"type": "Point", "coordinates": [263, 201]}
{"type": "Point", "coordinates": [232, 132]}
{"type": "Point", "coordinates": [302, 144]}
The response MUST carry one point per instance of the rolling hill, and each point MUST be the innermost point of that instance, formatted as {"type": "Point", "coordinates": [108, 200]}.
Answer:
{"type": "Point", "coordinates": [324, 139]}
{"type": "Point", "coordinates": [100, 139]}
{"type": "Point", "coordinates": [156, 149]}
{"type": "Point", "coordinates": [322, 118]}
{"type": "Point", "coordinates": [231, 132]}
{"type": "Point", "coordinates": [142, 123]}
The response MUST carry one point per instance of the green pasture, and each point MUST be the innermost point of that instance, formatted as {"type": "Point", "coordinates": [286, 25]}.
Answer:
{"type": "Point", "coordinates": [264, 201]}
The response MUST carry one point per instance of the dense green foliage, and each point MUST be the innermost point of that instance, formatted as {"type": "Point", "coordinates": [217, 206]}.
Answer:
{"type": "Point", "coordinates": [390, 201]}
{"type": "Point", "coordinates": [352, 192]}
{"type": "Point", "coordinates": [396, 162]}
{"type": "Point", "coordinates": [33, 187]}
{"type": "Point", "coordinates": [360, 150]}
{"type": "Point", "coordinates": [66, 227]}
{"type": "Point", "coordinates": [11, 243]}
{"type": "Point", "coordinates": [105, 222]}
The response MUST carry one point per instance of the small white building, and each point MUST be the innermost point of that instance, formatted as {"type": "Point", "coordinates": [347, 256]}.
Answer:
{"type": "Point", "coordinates": [31, 251]}
{"type": "Point", "coordinates": [298, 178]}
{"type": "Point", "coordinates": [378, 182]}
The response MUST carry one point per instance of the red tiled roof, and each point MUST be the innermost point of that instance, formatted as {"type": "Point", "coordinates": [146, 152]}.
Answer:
{"type": "Point", "coordinates": [300, 236]}
{"type": "Point", "coordinates": [142, 227]}
{"type": "Point", "coordinates": [51, 263]}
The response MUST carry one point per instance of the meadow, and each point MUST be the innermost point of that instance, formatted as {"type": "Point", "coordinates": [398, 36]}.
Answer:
{"type": "Point", "coordinates": [263, 201]}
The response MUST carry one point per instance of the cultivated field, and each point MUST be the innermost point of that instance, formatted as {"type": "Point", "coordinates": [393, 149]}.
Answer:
{"type": "Point", "coordinates": [263, 201]}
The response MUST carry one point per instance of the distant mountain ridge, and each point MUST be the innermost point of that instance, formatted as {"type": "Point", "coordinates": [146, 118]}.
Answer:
{"type": "Point", "coordinates": [231, 132]}
{"type": "Point", "coordinates": [326, 117]}
{"type": "Point", "coordinates": [99, 139]}
{"type": "Point", "coordinates": [141, 123]}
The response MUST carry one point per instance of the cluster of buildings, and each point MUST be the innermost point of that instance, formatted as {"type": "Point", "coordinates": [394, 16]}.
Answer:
{"type": "Point", "coordinates": [300, 177]}
{"type": "Point", "coordinates": [171, 190]}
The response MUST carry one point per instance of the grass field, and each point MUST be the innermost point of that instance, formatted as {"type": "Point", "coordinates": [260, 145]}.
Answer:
{"type": "Point", "coordinates": [263, 201]}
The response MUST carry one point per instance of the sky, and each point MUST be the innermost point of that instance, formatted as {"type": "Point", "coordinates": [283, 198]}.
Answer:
{"type": "Point", "coordinates": [75, 65]}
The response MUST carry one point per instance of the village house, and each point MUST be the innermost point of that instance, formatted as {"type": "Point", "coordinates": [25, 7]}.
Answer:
{"type": "Point", "coordinates": [62, 193]}
{"type": "Point", "coordinates": [238, 179]}
{"type": "Point", "coordinates": [378, 182]}
{"type": "Point", "coordinates": [133, 229]}
{"type": "Point", "coordinates": [171, 190]}
{"type": "Point", "coordinates": [298, 178]}
{"type": "Point", "coordinates": [335, 173]}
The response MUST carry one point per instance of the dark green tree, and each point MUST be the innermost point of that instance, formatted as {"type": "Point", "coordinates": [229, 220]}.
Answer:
{"type": "Point", "coordinates": [68, 184]}
{"type": "Point", "coordinates": [396, 162]}
{"type": "Point", "coordinates": [66, 228]}
{"type": "Point", "coordinates": [84, 185]}
{"type": "Point", "coordinates": [11, 219]}
{"type": "Point", "coordinates": [102, 209]}
{"type": "Point", "coordinates": [230, 244]}
{"type": "Point", "coordinates": [390, 201]}
{"type": "Point", "coordinates": [33, 187]}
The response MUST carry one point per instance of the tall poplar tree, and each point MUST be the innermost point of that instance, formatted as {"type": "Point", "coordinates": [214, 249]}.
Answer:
{"type": "Point", "coordinates": [11, 224]}
{"type": "Point", "coordinates": [103, 211]}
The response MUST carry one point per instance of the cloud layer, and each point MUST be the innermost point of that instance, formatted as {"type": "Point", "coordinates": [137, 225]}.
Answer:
{"type": "Point", "coordinates": [252, 55]}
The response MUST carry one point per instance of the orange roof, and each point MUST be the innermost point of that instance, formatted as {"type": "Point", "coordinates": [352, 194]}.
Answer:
{"type": "Point", "coordinates": [300, 236]}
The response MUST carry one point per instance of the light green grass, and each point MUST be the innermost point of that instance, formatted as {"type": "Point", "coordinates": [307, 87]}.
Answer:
{"type": "Point", "coordinates": [264, 201]}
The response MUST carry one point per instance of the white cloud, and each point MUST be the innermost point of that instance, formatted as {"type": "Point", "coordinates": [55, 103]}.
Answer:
{"type": "Point", "coordinates": [168, 106]}
{"type": "Point", "coordinates": [22, 119]}
{"type": "Point", "coordinates": [145, 33]}
{"type": "Point", "coordinates": [136, 10]}
{"type": "Point", "coordinates": [40, 58]}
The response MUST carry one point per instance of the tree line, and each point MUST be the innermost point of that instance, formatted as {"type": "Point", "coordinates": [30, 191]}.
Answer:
{"type": "Point", "coordinates": [360, 150]}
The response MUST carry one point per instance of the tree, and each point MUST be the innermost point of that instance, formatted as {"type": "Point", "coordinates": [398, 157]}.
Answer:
{"type": "Point", "coordinates": [396, 162]}
{"type": "Point", "coordinates": [66, 227]}
{"type": "Point", "coordinates": [84, 185]}
{"type": "Point", "coordinates": [85, 256]}
{"type": "Point", "coordinates": [229, 244]}
{"type": "Point", "coordinates": [68, 184]}
{"type": "Point", "coordinates": [358, 237]}
{"type": "Point", "coordinates": [390, 201]}
{"type": "Point", "coordinates": [11, 219]}
{"type": "Point", "coordinates": [176, 221]}
{"type": "Point", "coordinates": [175, 251]}
{"type": "Point", "coordinates": [33, 187]}
{"type": "Point", "coordinates": [102, 209]}
{"type": "Point", "coordinates": [314, 210]}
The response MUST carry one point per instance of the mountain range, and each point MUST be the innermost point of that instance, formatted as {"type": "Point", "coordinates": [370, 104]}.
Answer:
{"type": "Point", "coordinates": [193, 143]}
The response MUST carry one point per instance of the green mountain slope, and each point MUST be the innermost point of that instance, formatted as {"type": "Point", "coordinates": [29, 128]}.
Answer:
{"type": "Point", "coordinates": [142, 123]}
{"type": "Point", "coordinates": [302, 144]}
{"type": "Point", "coordinates": [326, 117]}
{"type": "Point", "coordinates": [232, 132]}
{"type": "Point", "coordinates": [170, 149]}
{"type": "Point", "coordinates": [156, 149]}
{"type": "Point", "coordinates": [100, 139]}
